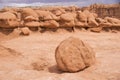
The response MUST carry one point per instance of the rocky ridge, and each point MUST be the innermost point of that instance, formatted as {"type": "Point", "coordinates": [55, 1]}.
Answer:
{"type": "Point", "coordinates": [94, 18]}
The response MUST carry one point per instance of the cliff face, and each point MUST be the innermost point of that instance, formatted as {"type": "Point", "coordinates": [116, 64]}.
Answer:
{"type": "Point", "coordinates": [112, 10]}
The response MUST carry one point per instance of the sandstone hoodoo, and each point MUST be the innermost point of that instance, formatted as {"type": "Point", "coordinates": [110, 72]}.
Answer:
{"type": "Point", "coordinates": [73, 55]}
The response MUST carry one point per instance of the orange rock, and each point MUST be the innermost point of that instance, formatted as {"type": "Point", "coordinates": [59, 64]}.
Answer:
{"type": "Point", "coordinates": [46, 15]}
{"type": "Point", "coordinates": [50, 24]}
{"type": "Point", "coordinates": [82, 17]}
{"type": "Point", "coordinates": [25, 31]}
{"type": "Point", "coordinates": [73, 55]}
{"type": "Point", "coordinates": [67, 17]}
{"type": "Point", "coordinates": [80, 24]}
{"type": "Point", "coordinates": [28, 12]}
{"type": "Point", "coordinates": [31, 18]}
{"type": "Point", "coordinates": [112, 20]}
{"type": "Point", "coordinates": [97, 29]}
{"type": "Point", "coordinates": [32, 24]}
{"type": "Point", "coordinates": [8, 20]}
{"type": "Point", "coordinates": [67, 24]}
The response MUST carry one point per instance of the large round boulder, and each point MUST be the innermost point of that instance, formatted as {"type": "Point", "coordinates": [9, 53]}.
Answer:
{"type": "Point", "coordinates": [73, 55]}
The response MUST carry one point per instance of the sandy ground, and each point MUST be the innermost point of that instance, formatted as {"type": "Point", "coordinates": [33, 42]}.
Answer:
{"type": "Point", "coordinates": [33, 57]}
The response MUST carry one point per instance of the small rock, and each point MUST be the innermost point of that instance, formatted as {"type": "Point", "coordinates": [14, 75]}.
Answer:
{"type": "Point", "coordinates": [25, 31]}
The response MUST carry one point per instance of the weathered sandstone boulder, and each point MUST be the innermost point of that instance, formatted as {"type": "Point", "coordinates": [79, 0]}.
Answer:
{"type": "Point", "coordinates": [112, 20]}
{"type": "Point", "coordinates": [73, 55]}
{"type": "Point", "coordinates": [25, 31]}
{"type": "Point", "coordinates": [67, 24]}
{"type": "Point", "coordinates": [82, 17]}
{"type": "Point", "coordinates": [46, 15]}
{"type": "Point", "coordinates": [58, 12]}
{"type": "Point", "coordinates": [96, 29]}
{"type": "Point", "coordinates": [80, 24]}
{"type": "Point", "coordinates": [92, 20]}
{"type": "Point", "coordinates": [92, 23]}
{"type": "Point", "coordinates": [8, 20]}
{"type": "Point", "coordinates": [32, 24]}
{"type": "Point", "coordinates": [67, 17]}
{"type": "Point", "coordinates": [50, 24]}
{"type": "Point", "coordinates": [86, 12]}
{"type": "Point", "coordinates": [67, 20]}
{"type": "Point", "coordinates": [28, 12]}
{"type": "Point", "coordinates": [31, 18]}
{"type": "Point", "coordinates": [100, 20]}
{"type": "Point", "coordinates": [107, 24]}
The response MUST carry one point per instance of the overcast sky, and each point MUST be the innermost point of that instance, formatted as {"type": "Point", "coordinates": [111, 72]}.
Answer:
{"type": "Point", "coordinates": [53, 2]}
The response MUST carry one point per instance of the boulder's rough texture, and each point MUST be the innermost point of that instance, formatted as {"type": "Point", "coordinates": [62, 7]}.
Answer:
{"type": "Point", "coordinates": [32, 24]}
{"type": "Point", "coordinates": [80, 24]}
{"type": "Point", "coordinates": [67, 17]}
{"type": "Point", "coordinates": [67, 24]}
{"type": "Point", "coordinates": [28, 12]}
{"type": "Point", "coordinates": [46, 15]}
{"type": "Point", "coordinates": [8, 20]}
{"type": "Point", "coordinates": [25, 31]}
{"type": "Point", "coordinates": [92, 20]}
{"type": "Point", "coordinates": [112, 20]}
{"type": "Point", "coordinates": [50, 24]}
{"type": "Point", "coordinates": [31, 18]}
{"type": "Point", "coordinates": [82, 17]}
{"type": "Point", "coordinates": [73, 55]}
{"type": "Point", "coordinates": [58, 12]}
{"type": "Point", "coordinates": [97, 29]}
{"type": "Point", "coordinates": [100, 20]}
{"type": "Point", "coordinates": [67, 20]}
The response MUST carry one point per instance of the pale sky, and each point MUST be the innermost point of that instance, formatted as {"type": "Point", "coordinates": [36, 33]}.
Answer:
{"type": "Point", "coordinates": [21, 3]}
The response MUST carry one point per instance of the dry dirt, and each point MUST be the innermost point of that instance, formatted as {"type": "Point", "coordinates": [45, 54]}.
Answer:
{"type": "Point", "coordinates": [33, 57]}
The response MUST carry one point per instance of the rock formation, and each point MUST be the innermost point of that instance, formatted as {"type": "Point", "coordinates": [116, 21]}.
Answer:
{"type": "Point", "coordinates": [8, 20]}
{"type": "Point", "coordinates": [28, 12]}
{"type": "Point", "coordinates": [111, 10]}
{"type": "Point", "coordinates": [25, 31]}
{"type": "Point", "coordinates": [89, 18]}
{"type": "Point", "coordinates": [73, 55]}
